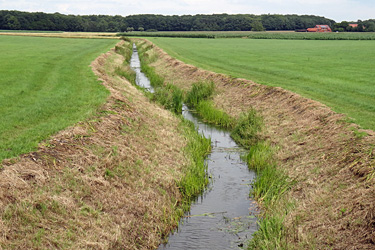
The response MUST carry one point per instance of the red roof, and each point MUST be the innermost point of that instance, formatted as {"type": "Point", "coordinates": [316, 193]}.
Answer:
{"type": "Point", "coordinates": [354, 25]}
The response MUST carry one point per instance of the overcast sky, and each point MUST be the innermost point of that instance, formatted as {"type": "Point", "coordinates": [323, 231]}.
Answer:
{"type": "Point", "coordinates": [338, 10]}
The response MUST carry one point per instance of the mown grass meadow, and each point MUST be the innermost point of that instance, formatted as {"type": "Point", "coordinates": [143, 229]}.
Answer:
{"type": "Point", "coordinates": [46, 85]}
{"type": "Point", "coordinates": [290, 35]}
{"type": "Point", "coordinates": [337, 73]}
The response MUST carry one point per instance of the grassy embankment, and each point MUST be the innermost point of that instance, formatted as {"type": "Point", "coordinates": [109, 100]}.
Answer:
{"type": "Point", "coordinates": [271, 182]}
{"type": "Point", "coordinates": [330, 204]}
{"type": "Point", "coordinates": [113, 181]}
{"type": "Point", "coordinates": [46, 85]}
{"type": "Point", "coordinates": [336, 73]}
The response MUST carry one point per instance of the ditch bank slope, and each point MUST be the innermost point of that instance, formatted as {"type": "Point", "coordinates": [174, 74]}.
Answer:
{"type": "Point", "coordinates": [106, 183]}
{"type": "Point", "coordinates": [332, 162]}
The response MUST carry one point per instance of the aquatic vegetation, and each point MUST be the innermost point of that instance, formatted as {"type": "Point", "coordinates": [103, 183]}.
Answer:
{"type": "Point", "coordinates": [170, 97]}
{"type": "Point", "coordinates": [246, 131]}
{"type": "Point", "coordinates": [200, 91]}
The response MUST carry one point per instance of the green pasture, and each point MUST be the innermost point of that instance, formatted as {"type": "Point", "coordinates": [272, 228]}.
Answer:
{"type": "Point", "coordinates": [339, 74]}
{"type": "Point", "coordinates": [46, 84]}
{"type": "Point", "coordinates": [289, 35]}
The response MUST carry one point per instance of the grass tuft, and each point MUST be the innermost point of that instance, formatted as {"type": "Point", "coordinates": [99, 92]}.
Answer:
{"type": "Point", "coordinates": [269, 188]}
{"type": "Point", "coordinates": [195, 178]}
{"type": "Point", "coordinates": [200, 91]}
{"type": "Point", "coordinates": [170, 97]}
{"type": "Point", "coordinates": [199, 97]}
{"type": "Point", "coordinates": [246, 131]}
{"type": "Point", "coordinates": [212, 115]}
{"type": "Point", "coordinates": [270, 234]}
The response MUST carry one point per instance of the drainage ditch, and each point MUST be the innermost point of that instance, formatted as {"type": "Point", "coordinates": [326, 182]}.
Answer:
{"type": "Point", "coordinates": [223, 217]}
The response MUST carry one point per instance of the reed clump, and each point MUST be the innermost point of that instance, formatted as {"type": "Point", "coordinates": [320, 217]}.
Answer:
{"type": "Point", "coordinates": [170, 97]}
{"type": "Point", "coordinates": [199, 98]}
{"type": "Point", "coordinates": [212, 115]}
{"type": "Point", "coordinates": [268, 188]}
{"type": "Point", "coordinates": [199, 91]}
{"type": "Point", "coordinates": [246, 131]}
{"type": "Point", "coordinates": [195, 178]}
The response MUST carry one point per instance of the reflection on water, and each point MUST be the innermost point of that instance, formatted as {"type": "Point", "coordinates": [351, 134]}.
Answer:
{"type": "Point", "coordinates": [223, 216]}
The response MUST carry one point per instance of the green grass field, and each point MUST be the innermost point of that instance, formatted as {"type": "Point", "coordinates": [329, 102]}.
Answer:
{"type": "Point", "coordinates": [339, 74]}
{"type": "Point", "coordinates": [289, 35]}
{"type": "Point", "coordinates": [46, 84]}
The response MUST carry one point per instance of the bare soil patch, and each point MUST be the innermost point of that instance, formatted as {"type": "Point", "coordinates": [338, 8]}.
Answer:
{"type": "Point", "coordinates": [105, 183]}
{"type": "Point", "coordinates": [334, 166]}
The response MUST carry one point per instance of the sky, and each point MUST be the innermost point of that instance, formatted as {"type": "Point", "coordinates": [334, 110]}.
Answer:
{"type": "Point", "coordinates": [338, 10]}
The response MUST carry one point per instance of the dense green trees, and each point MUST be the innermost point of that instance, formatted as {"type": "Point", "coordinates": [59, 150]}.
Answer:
{"type": "Point", "coordinates": [368, 25]}
{"type": "Point", "coordinates": [17, 20]}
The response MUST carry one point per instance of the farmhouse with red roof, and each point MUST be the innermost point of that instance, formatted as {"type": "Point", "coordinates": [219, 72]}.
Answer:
{"type": "Point", "coordinates": [320, 28]}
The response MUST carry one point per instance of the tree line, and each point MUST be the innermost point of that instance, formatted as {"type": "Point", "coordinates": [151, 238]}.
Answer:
{"type": "Point", "coordinates": [18, 20]}
{"type": "Point", "coordinates": [344, 26]}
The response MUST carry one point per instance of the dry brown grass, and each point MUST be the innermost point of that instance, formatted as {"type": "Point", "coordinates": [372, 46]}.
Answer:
{"type": "Point", "coordinates": [335, 169]}
{"type": "Point", "coordinates": [106, 183]}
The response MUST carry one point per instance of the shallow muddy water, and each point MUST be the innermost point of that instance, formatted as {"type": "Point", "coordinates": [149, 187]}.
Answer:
{"type": "Point", "coordinates": [223, 217]}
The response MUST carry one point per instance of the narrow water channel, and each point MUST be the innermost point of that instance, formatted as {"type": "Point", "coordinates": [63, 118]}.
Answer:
{"type": "Point", "coordinates": [223, 217]}
{"type": "Point", "coordinates": [141, 79]}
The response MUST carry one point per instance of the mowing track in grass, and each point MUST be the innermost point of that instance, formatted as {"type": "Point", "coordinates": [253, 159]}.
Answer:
{"type": "Point", "coordinates": [46, 85]}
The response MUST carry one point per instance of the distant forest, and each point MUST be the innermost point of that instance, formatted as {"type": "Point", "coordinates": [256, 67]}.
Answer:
{"type": "Point", "coordinates": [18, 20]}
